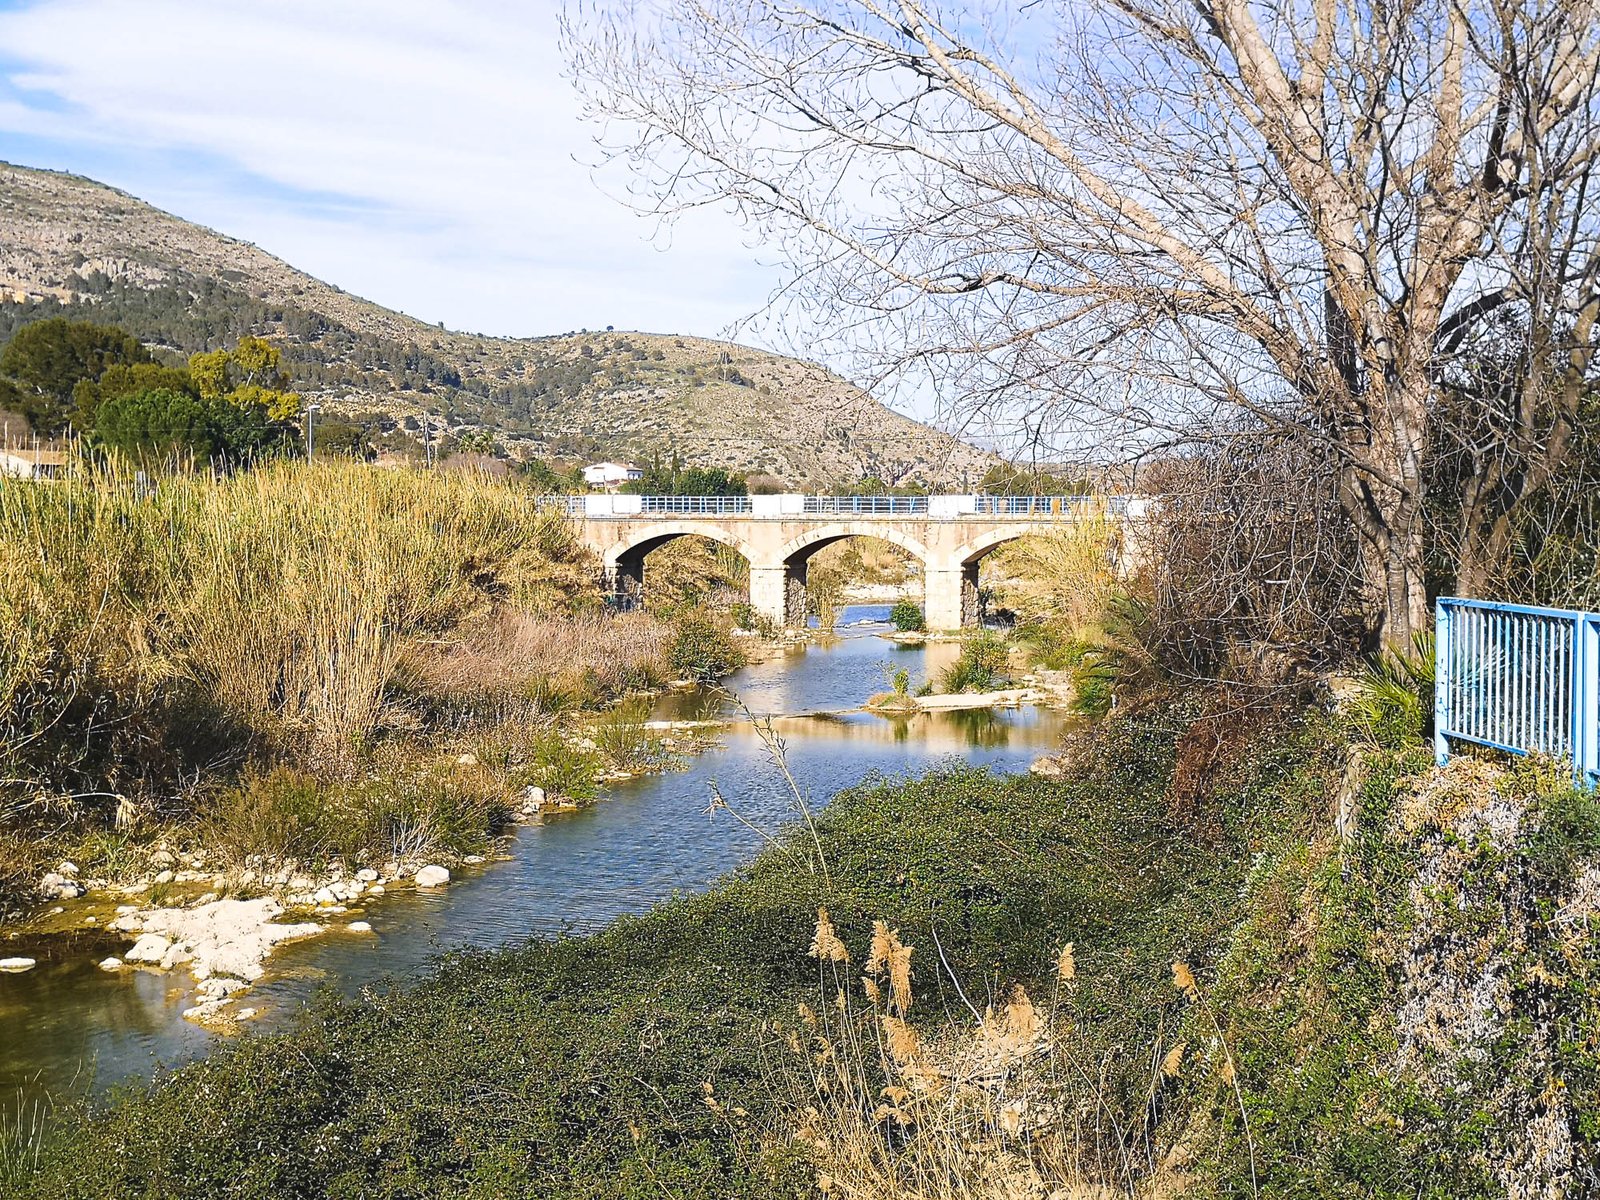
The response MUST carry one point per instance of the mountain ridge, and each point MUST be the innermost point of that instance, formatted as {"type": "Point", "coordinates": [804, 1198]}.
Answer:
{"type": "Point", "coordinates": [74, 246]}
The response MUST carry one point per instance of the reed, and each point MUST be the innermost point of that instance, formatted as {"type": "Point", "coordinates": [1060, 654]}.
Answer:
{"type": "Point", "coordinates": [270, 604]}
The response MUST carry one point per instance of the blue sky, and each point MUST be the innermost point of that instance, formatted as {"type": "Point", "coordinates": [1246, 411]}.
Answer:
{"type": "Point", "coordinates": [425, 154]}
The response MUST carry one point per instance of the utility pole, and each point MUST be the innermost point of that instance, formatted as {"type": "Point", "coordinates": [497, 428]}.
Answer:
{"type": "Point", "coordinates": [310, 408]}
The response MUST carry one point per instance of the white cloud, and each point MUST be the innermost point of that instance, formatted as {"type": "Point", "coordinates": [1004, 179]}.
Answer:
{"type": "Point", "coordinates": [418, 152]}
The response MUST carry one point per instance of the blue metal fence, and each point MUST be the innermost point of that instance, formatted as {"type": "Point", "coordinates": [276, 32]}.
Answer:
{"type": "Point", "coordinates": [1518, 678]}
{"type": "Point", "coordinates": [865, 506]}
{"type": "Point", "coordinates": [695, 505]}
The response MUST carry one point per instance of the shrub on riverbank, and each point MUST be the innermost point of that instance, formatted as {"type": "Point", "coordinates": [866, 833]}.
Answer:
{"type": "Point", "coordinates": [981, 666]}
{"type": "Point", "coordinates": [157, 637]}
{"type": "Point", "coordinates": [702, 650]}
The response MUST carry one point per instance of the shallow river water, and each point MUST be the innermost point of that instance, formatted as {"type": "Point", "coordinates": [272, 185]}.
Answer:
{"type": "Point", "coordinates": [67, 1025]}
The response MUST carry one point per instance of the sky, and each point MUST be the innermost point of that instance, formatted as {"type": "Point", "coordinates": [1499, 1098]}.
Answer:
{"type": "Point", "coordinates": [425, 154]}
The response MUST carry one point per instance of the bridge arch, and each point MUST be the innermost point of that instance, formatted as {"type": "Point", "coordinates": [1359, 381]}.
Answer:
{"type": "Point", "coordinates": [797, 550]}
{"type": "Point", "coordinates": [975, 550]}
{"type": "Point", "coordinates": [635, 544]}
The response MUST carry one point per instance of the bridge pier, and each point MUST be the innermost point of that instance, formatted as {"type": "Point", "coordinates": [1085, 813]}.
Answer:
{"type": "Point", "coordinates": [778, 593]}
{"type": "Point", "coordinates": [950, 597]}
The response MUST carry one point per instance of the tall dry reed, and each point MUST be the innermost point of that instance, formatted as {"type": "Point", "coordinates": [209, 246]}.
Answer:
{"type": "Point", "coordinates": [273, 601]}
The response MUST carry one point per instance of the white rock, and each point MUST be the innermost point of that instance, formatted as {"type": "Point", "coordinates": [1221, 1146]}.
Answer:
{"type": "Point", "coordinates": [228, 937]}
{"type": "Point", "coordinates": [124, 909]}
{"type": "Point", "coordinates": [325, 895]}
{"type": "Point", "coordinates": [163, 877]}
{"type": "Point", "coordinates": [128, 924]}
{"type": "Point", "coordinates": [17, 965]}
{"type": "Point", "coordinates": [467, 760]}
{"type": "Point", "coordinates": [359, 927]}
{"type": "Point", "coordinates": [68, 868]}
{"type": "Point", "coordinates": [150, 948]}
{"type": "Point", "coordinates": [375, 890]}
{"type": "Point", "coordinates": [111, 964]}
{"type": "Point", "coordinates": [473, 860]}
{"type": "Point", "coordinates": [244, 1014]}
{"type": "Point", "coordinates": [432, 876]}
{"type": "Point", "coordinates": [367, 875]}
{"type": "Point", "coordinates": [176, 955]}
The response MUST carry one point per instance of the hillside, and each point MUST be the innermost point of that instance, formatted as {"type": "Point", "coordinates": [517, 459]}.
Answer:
{"type": "Point", "coordinates": [74, 246]}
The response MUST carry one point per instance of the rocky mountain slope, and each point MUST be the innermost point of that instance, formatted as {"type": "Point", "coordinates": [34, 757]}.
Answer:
{"type": "Point", "coordinates": [70, 245]}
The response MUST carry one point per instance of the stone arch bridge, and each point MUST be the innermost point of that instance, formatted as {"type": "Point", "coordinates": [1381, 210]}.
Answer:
{"type": "Point", "coordinates": [777, 535]}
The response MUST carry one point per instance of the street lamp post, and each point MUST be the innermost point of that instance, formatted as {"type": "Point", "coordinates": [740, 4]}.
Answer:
{"type": "Point", "coordinates": [310, 408]}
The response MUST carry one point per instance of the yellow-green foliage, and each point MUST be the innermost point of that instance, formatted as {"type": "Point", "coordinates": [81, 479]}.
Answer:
{"type": "Point", "coordinates": [273, 602]}
{"type": "Point", "coordinates": [1066, 576]}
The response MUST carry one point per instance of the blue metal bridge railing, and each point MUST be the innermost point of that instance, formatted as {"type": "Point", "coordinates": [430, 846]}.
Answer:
{"type": "Point", "coordinates": [1518, 678]}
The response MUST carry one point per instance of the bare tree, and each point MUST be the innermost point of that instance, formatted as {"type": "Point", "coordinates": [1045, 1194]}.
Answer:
{"type": "Point", "coordinates": [1140, 218]}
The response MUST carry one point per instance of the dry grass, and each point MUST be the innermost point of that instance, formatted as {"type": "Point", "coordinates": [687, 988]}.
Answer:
{"type": "Point", "coordinates": [1008, 1106]}
{"type": "Point", "coordinates": [272, 604]}
{"type": "Point", "coordinates": [516, 662]}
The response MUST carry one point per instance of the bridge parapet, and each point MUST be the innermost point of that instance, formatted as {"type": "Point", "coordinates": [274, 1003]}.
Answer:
{"type": "Point", "coordinates": [795, 504]}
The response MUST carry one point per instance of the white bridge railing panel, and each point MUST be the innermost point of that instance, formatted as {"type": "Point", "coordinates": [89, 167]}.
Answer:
{"type": "Point", "coordinates": [1518, 678]}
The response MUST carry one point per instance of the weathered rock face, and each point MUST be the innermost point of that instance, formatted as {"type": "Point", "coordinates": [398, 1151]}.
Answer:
{"type": "Point", "coordinates": [432, 876]}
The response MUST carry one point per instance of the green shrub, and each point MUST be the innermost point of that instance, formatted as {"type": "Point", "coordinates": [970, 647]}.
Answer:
{"type": "Point", "coordinates": [622, 738]}
{"type": "Point", "coordinates": [981, 666]}
{"type": "Point", "coordinates": [906, 616]}
{"type": "Point", "coordinates": [702, 651]}
{"type": "Point", "coordinates": [564, 771]}
{"type": "Point", "coordinates": [1393, 701]}
{"type": "Point", "coordinates": [278, 813]}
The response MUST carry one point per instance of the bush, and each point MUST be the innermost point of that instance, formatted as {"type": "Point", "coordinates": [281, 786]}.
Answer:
{"type": "Point", "coordinates": [982, 665]}
{"type": "Point", "coordinates": [906, 616]}
{"type": "Point", "coordinates": [702, 651]}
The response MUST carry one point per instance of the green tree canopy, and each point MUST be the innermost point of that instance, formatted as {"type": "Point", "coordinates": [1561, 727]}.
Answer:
{"type": "Point", "coordinates": [48, 359]}
{"type": "Point", "coordinates": [164, 422]}
{"type": "Point", "coordinates": [156, 423]}
{"type": "Point", "coordinates": [121, 379]}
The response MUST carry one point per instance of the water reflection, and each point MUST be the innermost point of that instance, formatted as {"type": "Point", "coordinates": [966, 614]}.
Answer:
{"type": "Point", "coordinates": [576, 872]}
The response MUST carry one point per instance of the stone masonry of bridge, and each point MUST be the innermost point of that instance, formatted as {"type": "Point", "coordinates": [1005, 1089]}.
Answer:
{"type": "Point", "coordinates": [777, 535]}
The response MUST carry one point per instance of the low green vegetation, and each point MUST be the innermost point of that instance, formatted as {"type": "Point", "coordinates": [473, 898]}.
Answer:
{"type": "Point", "coordinates": [702, 650]}
{"type": "Point", "coordinates": [981, 666]}
{"type": "Point", "coordinates": [654, 1053]}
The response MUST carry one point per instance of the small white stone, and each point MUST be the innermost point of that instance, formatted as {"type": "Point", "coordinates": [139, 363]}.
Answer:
{"type": "Point", "coordinates": [467, 760]}
{"type": "Point", "coordinates": [367, 875]}
{"type": "Point", "coordinates": [124, 909]}
{"type": "Point", "coordinates": [375, 890]}
{"type": "Point", "coordinates": [163, 877]}
{"type": "Point", "coordinates": [473, 860]}
{"type": "Point", "coordinates": [244, 1014]}
{"type": "Point", "coordinates": [359, 927]}
{"type": "Point", "coordinates": [432, 876]}
{"type": "Point", "coordinates": [68, 868]}
{"type": "Point", "coordinates": [111, 964]}
{"type": "Point", "coordinates": [325, 895]}
{"type": "Point", "coordinates": [17, 965]}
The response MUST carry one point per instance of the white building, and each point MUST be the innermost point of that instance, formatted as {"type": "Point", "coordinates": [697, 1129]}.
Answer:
{"type": "Point", "coordinates": [610, 475]}
{"type": "Point", "coordinates": [32, 464]}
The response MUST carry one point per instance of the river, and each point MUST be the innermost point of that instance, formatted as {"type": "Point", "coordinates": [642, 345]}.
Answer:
{"type": "Point", "coordinates": [67, 1026]}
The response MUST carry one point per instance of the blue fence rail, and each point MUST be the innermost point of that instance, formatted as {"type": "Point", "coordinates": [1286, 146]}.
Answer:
{"type": "Point", "coordinates": [1518, 678]}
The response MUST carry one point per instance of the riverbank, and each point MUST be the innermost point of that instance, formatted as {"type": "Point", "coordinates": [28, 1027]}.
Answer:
{"type": "Point", "coordinates": [1242, 995]}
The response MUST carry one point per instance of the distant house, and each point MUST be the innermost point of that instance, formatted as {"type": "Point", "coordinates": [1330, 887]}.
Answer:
{"type": "Point", "coordinates": [32, 464]}
{"type": "Point", "coordinates": [610, 475]}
